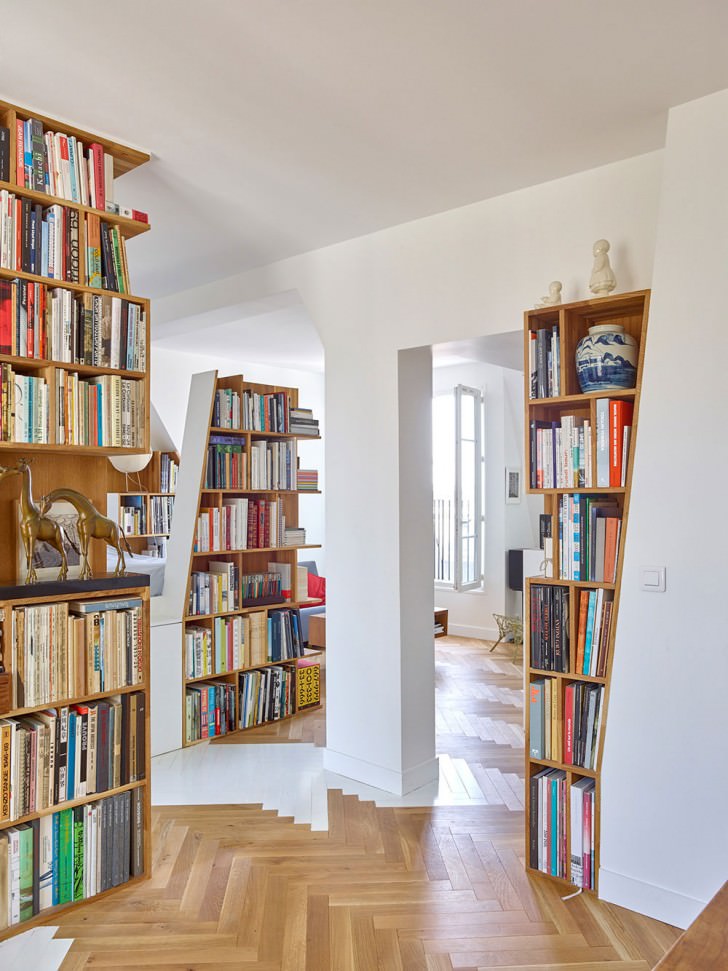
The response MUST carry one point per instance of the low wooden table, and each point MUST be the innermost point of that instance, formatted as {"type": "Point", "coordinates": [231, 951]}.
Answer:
{"type": "Point", "coordinates": [441, 619]}
{"type": "Point", "coordinates": [317, 631]}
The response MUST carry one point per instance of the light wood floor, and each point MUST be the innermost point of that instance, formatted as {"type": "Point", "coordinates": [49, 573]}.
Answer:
{"type": "Point", "coordinates": [426, 889]}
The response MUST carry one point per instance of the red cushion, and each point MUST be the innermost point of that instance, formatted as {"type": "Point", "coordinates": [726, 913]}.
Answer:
{"type": "Point", "coordinates": [317, 587]}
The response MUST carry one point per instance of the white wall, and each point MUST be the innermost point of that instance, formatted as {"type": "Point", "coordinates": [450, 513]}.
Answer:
{"type": "Point", "coordinates": [665, 840]}
{"type": "Point", "coordinates": [170, 384]}
{"type": "Point", "coordinates": [454, 275]}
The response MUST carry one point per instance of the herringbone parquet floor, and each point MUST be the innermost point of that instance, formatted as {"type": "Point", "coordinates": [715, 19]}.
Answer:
{"type": "Point", "coordinates": [431, 889]}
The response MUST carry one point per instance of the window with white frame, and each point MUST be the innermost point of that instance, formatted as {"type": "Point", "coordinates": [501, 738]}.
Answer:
{"type": "Point", "coordinates": [457, 473]}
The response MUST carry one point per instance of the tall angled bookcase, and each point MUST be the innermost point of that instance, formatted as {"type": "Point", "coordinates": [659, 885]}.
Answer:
{"type": "Point", "coordinates": [580, 451]}
{"type": "Point", "coordinates": [242, 641]}
{"type": "Point", "coordinates": [75, 800]}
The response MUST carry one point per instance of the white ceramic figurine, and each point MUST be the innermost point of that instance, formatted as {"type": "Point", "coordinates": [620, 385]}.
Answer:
{"type": "Point", "coordinates": [602, 280]}
{"type": "Point", "coordinates": [554, 296]}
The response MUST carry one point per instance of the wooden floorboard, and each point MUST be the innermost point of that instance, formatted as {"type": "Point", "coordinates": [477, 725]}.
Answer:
{"type": "Point", "coordinates": [405, 889]}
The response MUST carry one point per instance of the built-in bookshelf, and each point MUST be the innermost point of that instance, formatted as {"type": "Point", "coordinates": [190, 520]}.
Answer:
{"type": "Point", "coordinates": [242, 638]}
{"type": "Point", "coordinates": [75, 801]}
{"type": "Point", "coordinates": [580, 450]}
{"type": "Point", "coordinates": [145, 515]}
{"type": "Point", "coordinates": [73, 338]}
{"type": "Point", "coordinates": [74, 681]}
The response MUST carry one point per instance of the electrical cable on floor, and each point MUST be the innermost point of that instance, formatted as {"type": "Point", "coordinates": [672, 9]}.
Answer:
{"type": "Point", "coordinates": [574, 894]}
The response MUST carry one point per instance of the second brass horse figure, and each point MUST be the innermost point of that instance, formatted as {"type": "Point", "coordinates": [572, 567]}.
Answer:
{"type": "Point", "coordinates": [91, 524]}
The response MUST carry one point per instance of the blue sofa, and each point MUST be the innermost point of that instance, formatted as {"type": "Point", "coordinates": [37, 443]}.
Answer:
{"type": "Point", "coordinates": [306, 612]}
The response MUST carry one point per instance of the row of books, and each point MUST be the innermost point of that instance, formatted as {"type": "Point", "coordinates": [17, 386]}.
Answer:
{"type": "Point", "coordinates": [62, 650]}
{"type": "Point", "coordinates": [614, 432]}
{"type": "Point", "coordinates": [61, 165]}
{"type": "Point", "coordinates": [105, 264]}
{"type": "Point", "coordinates": [103, 411]}
{"type": "Point", "coordinates": [582, 842]}
{"type": "Point", "coordinates": [209, 710]}
{"type": "Point", "coordinates": [70, 855]}
{"type": "Point", "coordinates": [547, 822]}
{"type": "Point", "coordinates": [38, 239]}
{"type": "Point", "coordinates": [273, 465]}
{"type": "Point", "coordinates": [241, 642]}
{"type": "Point", "coordinates": [266, 695]}
{"type": "Point", "coordinates": [594, 629]}
{"type": "Point", "coordinates": [160, 510]}
{"type": "Point", "coordinates": [561, 453]}
{"type": "Point", "coordinates": [62, 754]}
{"type": "Point", "coordinates": [589, 534]}
{"type": "Point", "coordinates": [241, 524]}
{"type": "Point", "coordinates": [168, 472]}
{"type": "Point", "coordinates": [548, 831]}
{"type": "Point", "coordinates": [307, 480]}
{"type": "Point", "coordinates": [215, 590]}
{"type": "Point", "coordinates": [266, 412]}
{"type": "Point", "coordinates": [256, 586]}
{"type": "Point", "coordinates": [549, 618]}
{"type": "Point", "coordinates": [582, 720]}
{"type": "Point", "coordinates": [544, 362]}
{"type": "Point", "coordinates": [217, 650]}
{"type": "Point", "coordinates": [24, 407]}
{"type": "Point", "coordinates": [43, 323]}
{"type": "Point", "coordinates": [544, 719]}
{"type": "Point", "coordinates": [227, 464]}
{"type": "Point", "coordinates": [133, 516]}
{"type": "Point", "coordinates": [302, 422]}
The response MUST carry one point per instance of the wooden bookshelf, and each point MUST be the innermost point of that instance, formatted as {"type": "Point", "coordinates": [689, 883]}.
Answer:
{"type": "Point", "coordinates": [572, 321]}
{"type": "Point", "coordinates": [103, 591]}
{"type": "Point", "coordinates": [64, 461]}
{"type": "Point", "coordinates": [252, 559]}
{"type": "Point", "coordinates": [143, 491]}
{"type": "Point", "coordinates": [124, 160]}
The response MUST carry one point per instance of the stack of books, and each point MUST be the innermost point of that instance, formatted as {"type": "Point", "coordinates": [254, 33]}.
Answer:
{"type": "Point", "coordinates": [266, 696]}
{"type": "Point", "coordinates": [168, 471]}
{"type": "Point", "coordinates": [307, 480]}
{"type": "Point", "coordinates": [544, 359]}
{"type": "Point", "coordinates": [294, 536]}
{"type": "Point", "coordinates": [209, 710]}
{"type": "Point", "coordinates": [302, 422]}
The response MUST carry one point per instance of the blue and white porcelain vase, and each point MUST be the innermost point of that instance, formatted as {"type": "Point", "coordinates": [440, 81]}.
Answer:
{"type": "Point", "coordinates": [606, 359]}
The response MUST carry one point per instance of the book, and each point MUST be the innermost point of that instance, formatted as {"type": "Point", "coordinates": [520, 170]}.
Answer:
{"type": "Point", "coordinates": [620, 417]}
{"type": "Point", "coordinates": [537, 705]}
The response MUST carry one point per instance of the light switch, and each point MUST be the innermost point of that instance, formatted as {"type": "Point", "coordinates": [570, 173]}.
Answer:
{"type": "Point", "coordinates": [652, 579]}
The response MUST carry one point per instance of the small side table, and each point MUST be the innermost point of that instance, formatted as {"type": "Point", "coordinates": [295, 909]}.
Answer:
{"type": "Point", "coordinates": [317, 631]}
{"type": "Point", "coordinates": [440, 622]}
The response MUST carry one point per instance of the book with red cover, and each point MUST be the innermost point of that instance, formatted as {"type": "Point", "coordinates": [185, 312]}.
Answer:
{"type": "Point", "coordinates": [611, 549]}
{"type": "Point", "coordinates": [620, 415]}
{"type": "Point", "coordinates": [19, 152]}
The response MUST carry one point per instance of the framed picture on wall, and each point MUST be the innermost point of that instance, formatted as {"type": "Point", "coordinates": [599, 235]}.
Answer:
{"type": "Point", "coordinates": [46, 559]}
{"type": "Point", "coordinates": [513, 485]}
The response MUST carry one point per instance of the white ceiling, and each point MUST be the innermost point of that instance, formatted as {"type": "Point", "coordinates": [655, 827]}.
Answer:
{"type": "Point", "coordinates": [505, 350]}
{"type": "Point", "coordinates": [278, 126]}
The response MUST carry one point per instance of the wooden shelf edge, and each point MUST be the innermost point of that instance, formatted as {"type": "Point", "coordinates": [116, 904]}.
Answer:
{"type": "Point", "coordinates": [129, 227]}
{"type": "Point", "coordinates": [252, 667]}
{"type": "Point", "coordinates": [80, 700]}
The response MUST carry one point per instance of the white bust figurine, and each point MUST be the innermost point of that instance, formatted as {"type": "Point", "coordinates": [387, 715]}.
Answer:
{"type": "Point", "coordinates": [554, 296]}
{"type": "Point", "coordinates": [602, 280]}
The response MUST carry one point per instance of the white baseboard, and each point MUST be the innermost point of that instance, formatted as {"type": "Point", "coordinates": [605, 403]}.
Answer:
{"type": "Point", "coordinates": [660, 903]}
{"type": "Point", "coordinates": [480, 633]}
{"type": "Point", "coordinates": [380, 777]}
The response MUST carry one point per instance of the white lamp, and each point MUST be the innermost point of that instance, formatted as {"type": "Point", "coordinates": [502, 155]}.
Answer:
{"type": "Point", "coordinates": [131, 465]}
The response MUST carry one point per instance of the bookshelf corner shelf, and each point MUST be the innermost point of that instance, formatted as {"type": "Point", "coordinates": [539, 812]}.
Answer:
{"type": "Point", "coordinates": [242, 641]}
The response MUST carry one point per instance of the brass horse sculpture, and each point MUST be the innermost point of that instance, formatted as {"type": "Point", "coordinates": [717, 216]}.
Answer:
{"type": "Point", "coordinates": [91, 524]}
{"type": "Point", "coordinates": [35, 525]}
